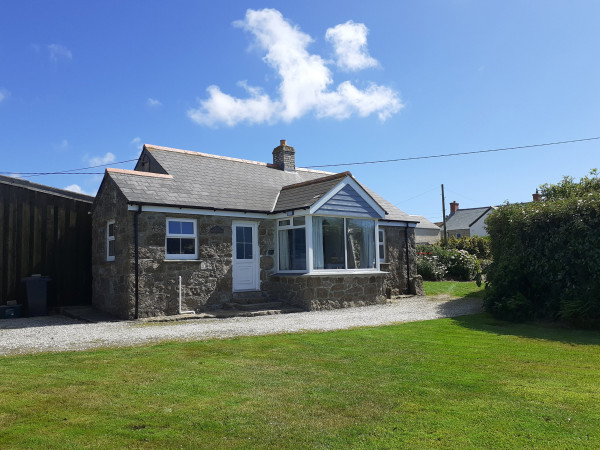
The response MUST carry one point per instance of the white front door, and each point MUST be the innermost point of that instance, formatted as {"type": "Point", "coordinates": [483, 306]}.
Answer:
{"type": "Point", "coordinates": [245, 256]}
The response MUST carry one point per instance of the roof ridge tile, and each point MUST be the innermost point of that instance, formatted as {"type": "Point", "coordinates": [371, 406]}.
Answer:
{"type": "Point", "coordinates": [139, 173]}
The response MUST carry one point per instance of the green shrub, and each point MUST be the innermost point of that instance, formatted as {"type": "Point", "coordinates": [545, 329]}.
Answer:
{"type": "Point", "coordinates": [546, 259]}
{"type": "Point", "coordinates": [475, 245]}
{"type": "Point", "coordinates": [435, 263]}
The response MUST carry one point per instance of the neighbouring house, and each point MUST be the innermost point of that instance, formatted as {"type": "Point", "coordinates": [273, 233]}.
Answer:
{"type": "Point", "coordinates": [47, 231]}
{"type": "Point", "coordinates": [426, 232]}
{"type": "Point", "coordinates": [467, 222]}
{"type": "Point", "coordinates": [227, 227]}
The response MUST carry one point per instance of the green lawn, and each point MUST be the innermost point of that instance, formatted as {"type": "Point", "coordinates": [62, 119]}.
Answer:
{"type": "Point", "coordinates": [453, 288]}
{"type": "Point", "coordinates": [464, 382]}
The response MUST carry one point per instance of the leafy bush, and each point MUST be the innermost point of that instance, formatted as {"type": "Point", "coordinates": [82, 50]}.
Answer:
{"type": "Point", "coordinates": [435, 263]}
{"type": "Point", "coordinates": [546, 257]}
{"type": "Point", "coordinates": [476, 245]}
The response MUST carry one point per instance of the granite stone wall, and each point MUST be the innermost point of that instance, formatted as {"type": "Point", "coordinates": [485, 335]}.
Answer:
{"type": "Point", "coordinates": [318, 292]}
{"type": "Point", "coordinates": [112, 281]}
{"type": "Point", "coordinates": [207, 280]}
{"type": "Point", "coordinates": [396, 282]}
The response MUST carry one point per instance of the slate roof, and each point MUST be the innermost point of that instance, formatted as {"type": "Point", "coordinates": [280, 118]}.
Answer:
{"type": "Point", "coordinates": [205, 181]}
{"type": "Point", "coordinates": [45, 189]}
{"type": "Point", "coordinates": [462, 219]}
{"type": "Point", "coordinates": [426, 224]}
{"type": "Point", "coordinates": [304, 195]}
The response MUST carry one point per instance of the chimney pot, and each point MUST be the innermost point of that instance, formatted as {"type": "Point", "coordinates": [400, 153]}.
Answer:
{"type": "Point", "coordinates": [284, 157]}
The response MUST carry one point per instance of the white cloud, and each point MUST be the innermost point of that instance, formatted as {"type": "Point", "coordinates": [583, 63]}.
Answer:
{"type": "Point", "coordinates": [58, 51]}
{"type": "Point", "coordinates": [3, 95]}
{"type": "Point", "coordinates": [102, 160]}
{"type": "Point", "coordinates": [349, 41]}
{"type": "Point", "coordinates": [76, 188]}
{"type": "Point", "coordinates": [137, 141]}
{"type": "Point", "coordinates": [152, 102]}
{"type": "Point", "coordinates": [304, 87]}
{"type": "Point", "coordinates": [63, 145]}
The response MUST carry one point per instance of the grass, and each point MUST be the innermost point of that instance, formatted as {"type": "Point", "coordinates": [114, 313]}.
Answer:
{"type": "Point", "coordinates": [464, 382]}
{"type": "Point", "coordinates": [454, 288]}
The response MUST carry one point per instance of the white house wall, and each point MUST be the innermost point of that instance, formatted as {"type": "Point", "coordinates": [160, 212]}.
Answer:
{"type": "Point", "coordinates": [478, 228]}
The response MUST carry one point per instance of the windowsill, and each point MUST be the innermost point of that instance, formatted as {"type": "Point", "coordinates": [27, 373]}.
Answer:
{"type": "Point", "coordinates": [335, 273]}
{"type": "Point", "coordinates": [183, 260]}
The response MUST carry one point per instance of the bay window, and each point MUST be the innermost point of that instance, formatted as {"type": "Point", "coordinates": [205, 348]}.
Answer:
{"type": "Point", "coordinates": [340, 243]}
{"type": "Point", "coordinates": [292, 244]}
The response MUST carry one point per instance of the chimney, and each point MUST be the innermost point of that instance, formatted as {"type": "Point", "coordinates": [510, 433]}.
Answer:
{"type": "Point", "coordinates": [453, 207]}
{"type": "Point", "coordinates": [284, 157]}
{"type": "Point", "coordinates": [537, 197]}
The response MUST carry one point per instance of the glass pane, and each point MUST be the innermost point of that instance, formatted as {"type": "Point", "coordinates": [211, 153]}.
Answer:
{"type": "Point", "coordinates": [188, 246]}
{"type": "Point", "coordinates": [298, 221]}
{"type": "Point", "coordinates": [381, 253]}
{"type": "Point", "coordinates": [239, 234]}
{"type": "Point", "coordinates": [248, 251]}
{"type": "Point", "coordinates": [360, 243]}
{"type": "Point", "coordinates": [284, 223]}
{"type": "Point", "coordinates": [173, 246]}
{"type": "Point", "coordinates": [292, 249]}
{"type": "Point", "coordinates": [187, 228]}
{"type": "Point", "coordinates": [332, 230]}
{"type": "Point", "coordinates": [239, 250]}
{"type": "Point", "coordinates": [111, 248]}
{"type": "Point", "coordinates": [247, 235]}
{"type": "Point", "coordinates": [298, 253]}
{"type": "Point", "coordinates": [111, 229]}
{"type": "Point", "coordinates": [174, 227]}
{"type": "Point", "coordinates": [380, 235]}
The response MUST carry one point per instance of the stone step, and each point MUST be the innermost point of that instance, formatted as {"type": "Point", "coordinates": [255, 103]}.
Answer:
{"type": "Point", "coordinates": [225, 314]}
{"type": "Point", "coordinates": [257, 306]}
{"type": "Point", "coordinates": [248, 298]}
{"type": "Point", "coordinates": [266, 312]}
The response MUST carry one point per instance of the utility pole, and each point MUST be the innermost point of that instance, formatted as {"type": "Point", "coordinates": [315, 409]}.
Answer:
{"type": "Point", "coordinates": [444, 237]}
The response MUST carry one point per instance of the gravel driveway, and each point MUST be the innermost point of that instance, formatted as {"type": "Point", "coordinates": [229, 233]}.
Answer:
{"type": "Point", "coordinates": [60, 333]}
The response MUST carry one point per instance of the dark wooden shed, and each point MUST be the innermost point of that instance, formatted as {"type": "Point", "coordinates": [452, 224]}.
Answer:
{"type": "Point", "coordinates": [47, 231]}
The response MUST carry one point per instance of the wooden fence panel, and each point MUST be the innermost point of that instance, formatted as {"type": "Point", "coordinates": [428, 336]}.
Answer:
{"type": "Point", "coordinates": [49, 234]}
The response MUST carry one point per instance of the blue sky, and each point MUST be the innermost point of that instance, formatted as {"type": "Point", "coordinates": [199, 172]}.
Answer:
{"type": "Point", "coordinates": [85, 83]}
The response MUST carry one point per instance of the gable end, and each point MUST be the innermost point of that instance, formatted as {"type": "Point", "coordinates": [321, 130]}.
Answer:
{"type": "Point", "coordinates": [347, 202]}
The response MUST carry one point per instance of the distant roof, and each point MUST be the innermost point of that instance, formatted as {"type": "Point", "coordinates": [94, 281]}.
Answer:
{"type": "Point", "coordinates": [461, 219]}
{"type": "Point", "coordinates": [45, 189]}
{"type": "Point", "coordinates": [173, 177]}
{"type": "Point", "coordinates": [424, 223]}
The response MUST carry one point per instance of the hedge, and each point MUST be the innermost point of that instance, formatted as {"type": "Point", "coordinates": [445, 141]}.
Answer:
{"type": "Point", "coordinates": [546, 260]}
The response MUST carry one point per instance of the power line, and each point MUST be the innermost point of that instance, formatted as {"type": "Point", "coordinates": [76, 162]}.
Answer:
{"type": "Point", "coordinates": [70, 171]}
{"type": "Point", "coordinates": [445, 155]}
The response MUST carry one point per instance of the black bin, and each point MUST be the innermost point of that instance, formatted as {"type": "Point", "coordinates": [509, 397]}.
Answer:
{"type": "Point", "coordinates": [37, 295]}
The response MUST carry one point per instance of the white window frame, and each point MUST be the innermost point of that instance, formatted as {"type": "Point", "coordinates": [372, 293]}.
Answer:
{"type": "Point", "coordinates": [309, 252]}
{"type": "Point", "coordinates": [291, 226]}
{"type": "Point", "coordinates": [381, 243]}
{"type": "Point", "coordinates": [182, 236]}
{"type": "Point", "coordinates": [110, 238]}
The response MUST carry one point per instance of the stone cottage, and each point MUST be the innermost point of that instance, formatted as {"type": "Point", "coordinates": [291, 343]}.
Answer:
{"type": "Point", "coordinates": [231, 227]}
